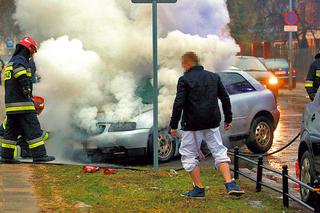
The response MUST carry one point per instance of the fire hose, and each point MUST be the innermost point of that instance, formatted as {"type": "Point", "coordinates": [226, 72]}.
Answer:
{"type": "Point", "coordinates": [271, 153]}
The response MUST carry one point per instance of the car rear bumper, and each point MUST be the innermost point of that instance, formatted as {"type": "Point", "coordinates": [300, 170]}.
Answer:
{"type": "Point", "coordinates": [127, 139]}
{"type": "Point", "coordinates": [284, 80]}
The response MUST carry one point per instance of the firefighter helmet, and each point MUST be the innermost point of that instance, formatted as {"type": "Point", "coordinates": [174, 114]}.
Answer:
{"type": "Point", "coordinates": [38, 103]}
{"type": "Point", "coordinates": [29, 43]}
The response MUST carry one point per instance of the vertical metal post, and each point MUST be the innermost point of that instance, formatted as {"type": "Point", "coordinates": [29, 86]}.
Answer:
{"type": "Point", "coordinates": [259, 174]}
{"type": "Point", "coordinates": [285, 186]}
{"type": "Point", "coordinates": [290, 53]}
{"type": "Point", "coordinates": [155, 83]}
{"type": "Point", "coordinates": [236, 163]}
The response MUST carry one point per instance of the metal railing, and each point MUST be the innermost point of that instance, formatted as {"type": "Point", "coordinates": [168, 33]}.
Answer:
{"type": "Point", "coordinates": [285, 181]}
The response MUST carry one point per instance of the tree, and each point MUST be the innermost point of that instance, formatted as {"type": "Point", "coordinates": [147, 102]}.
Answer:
{"type": "Point", "coordinates": [8, 27]}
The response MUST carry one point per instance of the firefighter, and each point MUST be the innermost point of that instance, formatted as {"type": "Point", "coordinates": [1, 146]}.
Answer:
{"type": "Point", "coordinates": [20, 108]}
{"type": "Point", "coordinates": [313, 78]}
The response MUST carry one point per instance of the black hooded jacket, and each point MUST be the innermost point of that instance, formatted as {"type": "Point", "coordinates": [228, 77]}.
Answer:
{"type": "Point", "coordinates": [313, 77]}
{"type": "Point", "coordinates": [197, 97]}
{"type": "Point", "coordinates": [18, 83]}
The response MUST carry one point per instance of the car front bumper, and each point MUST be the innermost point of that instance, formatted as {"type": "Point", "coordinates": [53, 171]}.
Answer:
{"type": "Point", "coordinates": [127, 139]}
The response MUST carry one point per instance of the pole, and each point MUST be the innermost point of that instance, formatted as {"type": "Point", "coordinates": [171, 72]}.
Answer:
{"type": "Point", "coordinates": [290, 53]}
{"type": "Point", "coordinates": [259, 174]}
{"type": "Point", "coordinates": [155, 83]}
{"type": "Point", "coordinates": [285, 186]}
{"type": "Point", "coordinates": [236, 163]}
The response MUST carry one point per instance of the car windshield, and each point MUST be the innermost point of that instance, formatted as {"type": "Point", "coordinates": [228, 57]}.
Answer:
{"type": "Point", "coordinates": [249, 64]}
{"type": "Point", "coordinates": [276, 63]}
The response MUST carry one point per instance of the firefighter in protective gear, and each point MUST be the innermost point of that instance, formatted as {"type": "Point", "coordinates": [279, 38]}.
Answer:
{"type": "Point", "coordinates": [20, 109]}
{"type": "Point", "coordinates": [313, 78]}
{"type": "Point", "coordinates": [25, 151]}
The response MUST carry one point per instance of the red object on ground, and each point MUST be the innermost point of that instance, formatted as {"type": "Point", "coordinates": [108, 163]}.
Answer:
{"type": "Point", "coordinates": [297, 186]}
{"type": "Point", "coordinates": [109, 171]}
{"type": "Point", "coordinates": [90, 169]}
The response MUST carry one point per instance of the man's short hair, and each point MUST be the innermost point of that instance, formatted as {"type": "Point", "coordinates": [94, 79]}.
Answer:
{"type": "Point", "coordinates": [191, 56]}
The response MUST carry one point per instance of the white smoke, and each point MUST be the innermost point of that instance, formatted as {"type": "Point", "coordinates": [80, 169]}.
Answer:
{"type": "Point", "coordinates": [93, 54]}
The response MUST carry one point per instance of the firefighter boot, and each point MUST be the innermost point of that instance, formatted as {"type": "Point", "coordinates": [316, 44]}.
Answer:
{"type": "Point", "coordinates": [9, 161]}
{"type": "Point", "coordinates": [43, 159]}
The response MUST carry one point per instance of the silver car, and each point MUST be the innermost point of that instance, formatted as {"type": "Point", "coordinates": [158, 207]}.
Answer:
{"type": "Point", "coordinates": [255, 118]}
{"type": "Point", "coordinates": [309, 149]}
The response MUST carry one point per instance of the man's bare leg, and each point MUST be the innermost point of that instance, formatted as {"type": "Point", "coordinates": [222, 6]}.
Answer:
{"type": "Point", "coordinates": [196, 177]}
{"type": "Point", "coordinates": [225, 171]}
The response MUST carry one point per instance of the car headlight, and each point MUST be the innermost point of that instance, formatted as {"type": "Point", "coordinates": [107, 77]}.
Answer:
{"type": "Point", "coordinates": [273, 81]}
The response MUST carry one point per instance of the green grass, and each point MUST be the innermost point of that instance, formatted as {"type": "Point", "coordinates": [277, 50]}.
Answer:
{"type": "Point", "coordinates": [61, 187]}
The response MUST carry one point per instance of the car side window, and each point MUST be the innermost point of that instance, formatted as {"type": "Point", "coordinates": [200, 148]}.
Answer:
{"type": "Point", "coordinates": [235, 83]}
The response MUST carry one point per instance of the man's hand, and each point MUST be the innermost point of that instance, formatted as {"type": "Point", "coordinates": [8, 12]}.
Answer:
{"type": "Point", "coordinates": [173, 133]}
{"type": "Point", "coordinates": [227, 126]}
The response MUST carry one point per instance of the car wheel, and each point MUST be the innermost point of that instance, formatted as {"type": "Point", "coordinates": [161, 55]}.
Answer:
{"type": "Point", "coordinates": [261, 135]}
{"type": "Point", "coordinates": [307, 175]}
{"type": "Point", "coordinates": [166, 147]}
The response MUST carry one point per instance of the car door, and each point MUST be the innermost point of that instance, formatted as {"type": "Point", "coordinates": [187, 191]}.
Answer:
{"type": "Point", "coordinates": [241, 92]}
{"type": "Point", "coordinates": [313, 119]}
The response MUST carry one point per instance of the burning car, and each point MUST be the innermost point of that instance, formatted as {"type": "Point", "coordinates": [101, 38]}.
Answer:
{"type": "Point", "coordinates": [255, 117]}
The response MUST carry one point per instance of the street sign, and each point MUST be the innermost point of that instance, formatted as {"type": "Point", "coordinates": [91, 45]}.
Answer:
{"type": "Point", "coordinates": [291, 18]}
{"type": "Point", "coordinates": [150, 1]}
{"type": "Point", "coordinates": [290, 28]}
{"type": "Point", "coordinates": [10, 44]}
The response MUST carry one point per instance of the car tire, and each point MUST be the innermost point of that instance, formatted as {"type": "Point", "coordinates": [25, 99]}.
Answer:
{"type": "Point", "coordinates": [307, 176]}
{"type": "Point", "coordinates": [166, 145]}
{"type": "Point", "coordinates": [261, 135]}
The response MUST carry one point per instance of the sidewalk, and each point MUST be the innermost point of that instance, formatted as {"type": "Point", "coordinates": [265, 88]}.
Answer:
{"type": "Point", "coordinates": [16, 192]}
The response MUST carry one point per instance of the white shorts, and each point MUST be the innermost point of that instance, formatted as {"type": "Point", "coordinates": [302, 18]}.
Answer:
{"type": "Point", "coordinates": [191, 143]}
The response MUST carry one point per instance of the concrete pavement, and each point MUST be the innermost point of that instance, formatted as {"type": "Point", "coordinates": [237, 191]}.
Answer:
{"type": "Point", "coordinates": [16, 192]}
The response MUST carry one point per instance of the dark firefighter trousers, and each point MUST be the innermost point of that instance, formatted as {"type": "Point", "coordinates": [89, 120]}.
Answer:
{"type": "Point", "coordinates": [28, 125]}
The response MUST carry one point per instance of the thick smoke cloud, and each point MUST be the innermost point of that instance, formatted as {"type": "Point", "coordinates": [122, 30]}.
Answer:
{"type": "Point", "coordinates": [93, 54]}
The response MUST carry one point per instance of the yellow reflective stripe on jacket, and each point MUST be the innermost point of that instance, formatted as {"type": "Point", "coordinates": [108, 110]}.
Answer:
{"type": "Point", "coordinates": [20, 108]}
{"type": "Point", "coordinates": [9, 68]}
{"type": "Point", "coordinates": [308, 84]}
{"type": "Point", "coordinates": [46, 136]}
{"type": "Point", "coordinates": [18, 74]}
{"type": "Point", "coordinates": [4, 123]}
{"type": "Point", "coordinates": [8, 146]}
{"type": "Point", "coordinates": [35, 145]}
{"type": "Point", "coordinates": [318, 73]}
{"type": "Point", "coordinates": [15, 153]}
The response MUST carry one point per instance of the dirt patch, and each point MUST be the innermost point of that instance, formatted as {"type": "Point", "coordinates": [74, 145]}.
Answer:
{"type": "Point", "coordinates": [48, 195]}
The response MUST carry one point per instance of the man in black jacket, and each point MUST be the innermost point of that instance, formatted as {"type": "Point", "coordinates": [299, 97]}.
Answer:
{"type": "Point", "coordinates": [197, 98]}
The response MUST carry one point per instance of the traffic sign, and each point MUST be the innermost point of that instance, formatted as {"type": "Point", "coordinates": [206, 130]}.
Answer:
{"type": "Point", "coordinates": [291, 18]}
{"type": "Point", "coordinates": [10, 44]}
{"type": "Point", "coordinates": [150, 1]}
{"type": "Point", "coordinates": [290, 28]}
